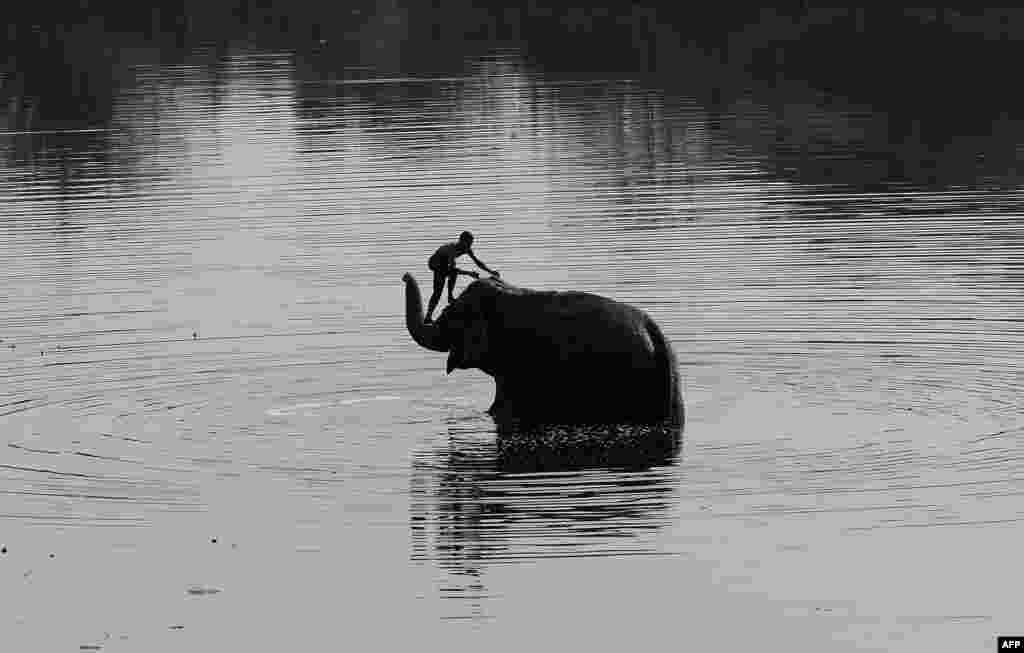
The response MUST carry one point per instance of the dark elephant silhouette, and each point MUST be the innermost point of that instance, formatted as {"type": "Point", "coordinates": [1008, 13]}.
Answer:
{"type": "Point", "coordinates": [556, 357]}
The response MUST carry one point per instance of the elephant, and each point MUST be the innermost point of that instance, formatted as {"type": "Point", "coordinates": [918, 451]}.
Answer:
{"type": "Point", "coordinates": [556, 357]}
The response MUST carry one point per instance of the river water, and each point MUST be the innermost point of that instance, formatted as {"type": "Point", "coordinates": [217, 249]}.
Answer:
{"type": "Point", "coordinates": [217, 434]}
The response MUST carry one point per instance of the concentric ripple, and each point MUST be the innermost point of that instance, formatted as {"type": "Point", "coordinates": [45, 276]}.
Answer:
{"type": "Point", "coordinates": [201, 333]}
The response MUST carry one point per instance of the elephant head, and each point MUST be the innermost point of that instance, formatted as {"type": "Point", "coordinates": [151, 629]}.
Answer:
{"type": "Point", "coordinates": [556, 357]}
{"type": "Point", "coordinates": [460, 330]}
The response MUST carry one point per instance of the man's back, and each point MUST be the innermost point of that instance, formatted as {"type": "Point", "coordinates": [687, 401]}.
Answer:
{"type": "Point", "coordinates": [445, 256]}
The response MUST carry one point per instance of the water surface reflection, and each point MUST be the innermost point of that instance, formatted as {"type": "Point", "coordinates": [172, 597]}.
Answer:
{"type": "Point", "coordinates": [535, 493]}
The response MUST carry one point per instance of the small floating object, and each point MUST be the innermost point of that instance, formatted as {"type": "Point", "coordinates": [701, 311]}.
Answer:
{"type": "Point", "coordinates": [203, 591]}
{"type": "Point", "coordinates": [195, 335]}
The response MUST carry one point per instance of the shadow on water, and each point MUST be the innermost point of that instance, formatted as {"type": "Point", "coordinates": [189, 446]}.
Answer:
{"type": "Point", "coordinates": [540, 492]}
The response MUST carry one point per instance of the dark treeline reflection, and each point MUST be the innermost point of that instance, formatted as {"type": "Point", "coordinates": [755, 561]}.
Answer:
{"type": "Point", "coordinates": [809, 136]}
{"type": "Point", "coordinates": [63, 72]}
{"type": "Point", "coordinates": [847, 97]}
{"type": "Point", "coordinates": [541, 492]}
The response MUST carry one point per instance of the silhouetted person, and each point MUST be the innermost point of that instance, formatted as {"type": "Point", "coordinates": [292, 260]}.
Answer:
{"type": "Point", "coordinates": [442, 262]}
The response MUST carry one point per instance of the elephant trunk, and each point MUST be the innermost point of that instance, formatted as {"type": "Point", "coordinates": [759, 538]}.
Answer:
{"type": "Point", "coordinates": [425, 335]}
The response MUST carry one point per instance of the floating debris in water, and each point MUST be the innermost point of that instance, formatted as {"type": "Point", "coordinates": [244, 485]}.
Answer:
{"type": "Point", "coordinates": [203, 591]}
{"type": "Point", "coordinates": [213, 540]}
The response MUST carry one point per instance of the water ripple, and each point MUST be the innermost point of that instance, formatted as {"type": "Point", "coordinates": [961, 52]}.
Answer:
{"type": "Point", "coordinates": [200, 313]}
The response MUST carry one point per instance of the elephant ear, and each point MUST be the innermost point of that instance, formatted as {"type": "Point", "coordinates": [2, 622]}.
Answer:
{"type": "Point", "coordinates": [468, 324]}
{"type": "Point", "coordinates": [474, 344]}
{"type": "Point", "coordinates": [470, 346]}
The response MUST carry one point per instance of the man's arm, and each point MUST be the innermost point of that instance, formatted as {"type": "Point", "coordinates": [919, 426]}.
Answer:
{"type": "Point", "coordinates": [480, 263]}
{"type": "Point", "coordinates": [468, 273]}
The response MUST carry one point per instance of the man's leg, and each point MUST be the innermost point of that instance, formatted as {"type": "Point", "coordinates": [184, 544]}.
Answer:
{"type": "Point", "coordinates": [436, 296]}
{"type": "Point", "coordinates": [452, 276]}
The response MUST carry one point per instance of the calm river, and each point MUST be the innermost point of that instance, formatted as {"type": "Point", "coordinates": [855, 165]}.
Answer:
{"type": "Point", "coordinates": [217, 434]}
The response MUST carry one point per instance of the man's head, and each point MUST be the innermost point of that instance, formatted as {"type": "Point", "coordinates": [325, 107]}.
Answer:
{"type": "Point", "coordinates": [466, 239]}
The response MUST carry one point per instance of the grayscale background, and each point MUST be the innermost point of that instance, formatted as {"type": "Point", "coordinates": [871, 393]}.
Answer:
{"type": "Point", "coordinates": [216, 434]}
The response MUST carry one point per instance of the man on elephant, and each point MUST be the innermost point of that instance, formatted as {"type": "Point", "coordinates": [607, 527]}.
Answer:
{"type": "Point", "coordinates": [442, 263]}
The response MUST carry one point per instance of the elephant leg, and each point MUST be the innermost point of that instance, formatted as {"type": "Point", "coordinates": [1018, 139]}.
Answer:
{"type": "Point", "coordinates": [518, 399]}
{"type": "Point", "coordinates": [510, 400]}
